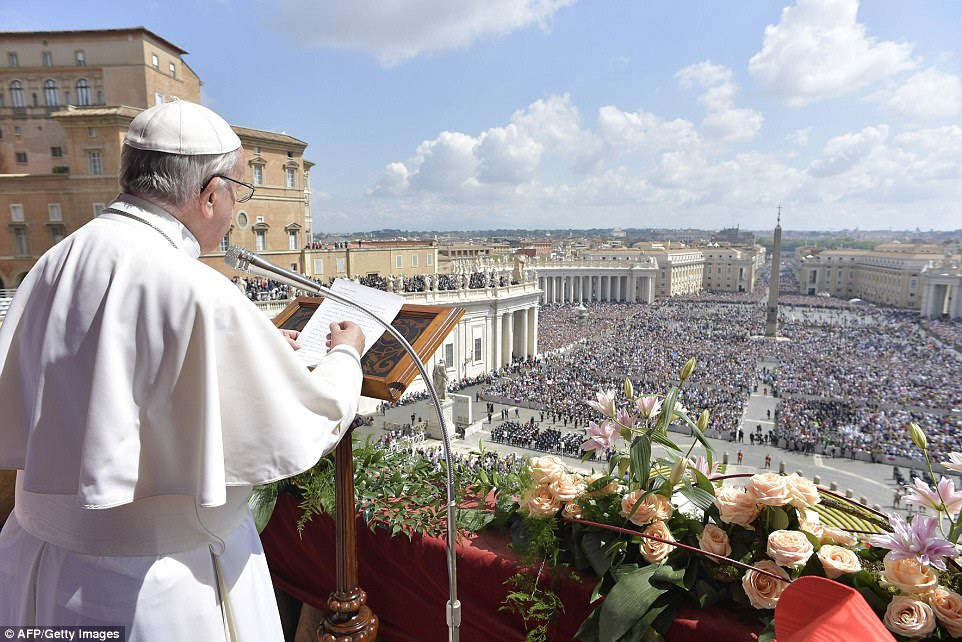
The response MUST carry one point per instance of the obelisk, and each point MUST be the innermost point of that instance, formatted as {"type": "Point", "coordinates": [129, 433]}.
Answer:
{"type": "Point", "coordinates": [771, 315]}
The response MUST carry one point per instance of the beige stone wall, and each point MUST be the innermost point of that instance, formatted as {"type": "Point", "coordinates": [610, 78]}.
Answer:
{"type": "Point", "coordinates": [729, 269]}
{"type": "Point", "coordinates": [889, 278]}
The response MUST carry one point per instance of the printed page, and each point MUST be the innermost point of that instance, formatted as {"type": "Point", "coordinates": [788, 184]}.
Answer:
{"type": "Point", "coordinates": [313, 337]}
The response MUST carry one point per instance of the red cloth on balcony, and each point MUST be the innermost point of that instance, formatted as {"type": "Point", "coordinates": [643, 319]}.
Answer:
{"type": "Point", "coordinates": [407, 584]}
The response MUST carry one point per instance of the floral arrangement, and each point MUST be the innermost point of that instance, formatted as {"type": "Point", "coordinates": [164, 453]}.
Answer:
{"type": "Point", "coordinates": [658, 531]}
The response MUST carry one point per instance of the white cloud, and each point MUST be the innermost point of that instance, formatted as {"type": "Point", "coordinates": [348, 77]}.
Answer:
{"type": "Point", "coordinates": [644, 132]}
{"type": "Point", "coordinates": [819, 50]}
{"type": "Point", "coordinates": [445, 164]}
{"type": "Point", "coordinates": [508, 155]}
{"type": "Point", "coordinates": [395, 32]}
{"type": "Point", "coordinates": [723, 121]}
{"type": "Point", "coordinates": [930, 95]}
{"type": "Point", "coordinates": [843, 152]}
{"type": "Point", "coordinates": [799, 136]}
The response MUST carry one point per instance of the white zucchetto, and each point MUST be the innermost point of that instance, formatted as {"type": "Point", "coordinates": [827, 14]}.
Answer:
{"type": "Point", "coordinates": [181, 127]}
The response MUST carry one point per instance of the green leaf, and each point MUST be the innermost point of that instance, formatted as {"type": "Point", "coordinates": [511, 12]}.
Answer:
{"type": "Point", "coordinates": [779, 519]}
{"type": "Point", "coordinates": [768, 633]}
{"type": "Point", "coordinates": [664, 440]}
{"type": "Point", "coordinates": [261, 503]}
{"type": "Point", "coordinates": [590, 631]}
{"type": "Point", "coordinates": [594, 550]}
{"type": "Point", "coordinates": [697, 496]}
{"type": "Point", "coordinates": [628, 602]}
{"type": "Point", "coordinates": [641, 460]}
{"type": "Point", "coordinates": [668, 409]}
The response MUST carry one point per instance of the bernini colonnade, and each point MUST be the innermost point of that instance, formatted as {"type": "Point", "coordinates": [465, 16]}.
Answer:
{"type": "Point", "coordinates": [582, 281]}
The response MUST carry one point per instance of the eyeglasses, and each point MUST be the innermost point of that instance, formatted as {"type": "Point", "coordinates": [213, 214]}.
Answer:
{"type": "Point", "coordinates": [242, 194]}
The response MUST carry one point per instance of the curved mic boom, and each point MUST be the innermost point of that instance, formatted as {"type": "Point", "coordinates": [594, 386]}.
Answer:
{"type": "Point", "coordinates": [244, 260]}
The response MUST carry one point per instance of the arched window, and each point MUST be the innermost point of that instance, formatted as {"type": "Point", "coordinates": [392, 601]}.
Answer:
{"type": "Point", "coordinates": [16, 94]}
{"type": "Point", "coordinates": [83, 92]}
{"type": "Point", "coordinates": [50, 94]}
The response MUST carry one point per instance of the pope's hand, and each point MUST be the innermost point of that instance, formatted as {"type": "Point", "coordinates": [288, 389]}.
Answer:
{"type": "Point", "coordinates": [346, 333]}
{"type": "Point", "coordinates": [291, 336]}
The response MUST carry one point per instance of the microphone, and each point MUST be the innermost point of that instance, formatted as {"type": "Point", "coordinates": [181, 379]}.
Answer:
{"type": "Point", "coordinates": [244, 260]}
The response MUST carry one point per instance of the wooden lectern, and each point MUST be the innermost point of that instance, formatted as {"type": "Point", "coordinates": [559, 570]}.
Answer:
{"type": "Point", "coordinates": [388, 370]}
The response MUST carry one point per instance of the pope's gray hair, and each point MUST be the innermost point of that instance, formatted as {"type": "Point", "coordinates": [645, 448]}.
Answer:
{"type": "Point", "coordinates": [172, 179]}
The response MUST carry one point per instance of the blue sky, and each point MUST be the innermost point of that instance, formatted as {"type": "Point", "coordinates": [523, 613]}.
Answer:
{"type": "Point", "coordinates": [480, 114]}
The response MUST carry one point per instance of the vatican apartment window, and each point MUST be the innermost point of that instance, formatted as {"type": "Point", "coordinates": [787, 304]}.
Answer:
{"type": "Point", "coordinates": [430, 260]}
{"type": "Point", "coordinates": [172, 69]}
{"type": "Point", "coordinates": [20, 235]}
{"type": "Point", "coordinates": [47, 59]}
{"type": "Point", "coordinates": [80, 57]}
{"type": "Point", "coordinates": [50, 95]}
{"type": "Point", "coordinates": [154, 61]}
{"type": "Point", "coordinates": [292, 240]}
{"type": "Point", "coordinates": [98, 209]}
{"type": "Point", "coordinates": [258, 174]}
{"type": "Point", "coordinates": [16, 94]}
{"type": "Point", "coordinates": [158, 98]}
{"type": "Point", "coordinates": [260, 240]}
{"type": "Point", "coordinates": [56, 215]}
{"type": "Point", "coordinates": [95, 163]}
{"type": "Point", "coordinates": [318, 266]}
{"type": "Point", "coordinates": [83, 93]}
{"type": "Point", "coordinates": [477, 349]}
{"type": "Point", "coordinates": [56, 233]}
{"type": "Point", "coordinates": [414, 260]}
{"type": "Point", "coordinates": [225, 242]}
{"type": "Point", "coordinates": [12, 60]}
{"type": "Point", "coordinates": [340, 266]}
{"type": "Point", "coordinates": [291, 177]}
{"type": "Point", "coordinates": [399, 261]}
{"type": "Point", "coordinates": [16, 212]}
{"type": "Point", "coordinates": [20, 157]}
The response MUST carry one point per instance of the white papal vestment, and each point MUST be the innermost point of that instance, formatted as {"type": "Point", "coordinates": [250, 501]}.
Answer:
{"type": "Point", "coordinates": [141, 396]}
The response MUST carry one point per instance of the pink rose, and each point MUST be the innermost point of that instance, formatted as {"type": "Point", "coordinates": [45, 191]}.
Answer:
{"type": "Point", "coordinates": [763, 591]}
{"type": "Point", "coordinates": [909, 617]}
{"type": "Point", "coordinates": [769, 489]}
{"type": "Point", "coordinates": [815, 528]}
{"type": "Point", "coordinates": [803, 493]}
{"type": "Point", "coordinates": [572, 509]}
{"type": "Point", "coordinates": [832, 535]}
{"type": "Point", "coordinates": [838, 561]}
{"type": "Point", "coordinates": [539, 501]}
{"type": "Point", "coordinates": [789, 548]}
{"type": "Point", "coordinates": [545, 470]}
{"type": "Point", "coordinates": [909, 576]}
{"type": "Point", "coordinates": [654, 551]}
{"type": "Point", "coordinates": [948, 609]}
{"type": "Point", "coordinates": [736, 506]}
{"type": "Point", "coordinates": [653, 507]}
{"type": "Point", "coordinates": [714, 540]}
{"type": "Point", "coordinates": [566, 487]}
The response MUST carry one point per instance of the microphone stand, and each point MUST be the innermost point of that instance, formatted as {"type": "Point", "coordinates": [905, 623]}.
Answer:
{"type": "Point", "coordinates": [246, 261]}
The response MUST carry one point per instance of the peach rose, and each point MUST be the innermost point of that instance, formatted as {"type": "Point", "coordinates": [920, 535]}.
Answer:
{"type": "Point", "coordinates": [538, 501]}
{"type": "Point", "coordinates": [763, 591]}
{"type": "Point", "coordinates": [566, 487]}
{"type": "Point", "coordinates": [654, 551]}
{"type": "Point", "coordinates": [770, 489]}
{"type": "Point", "coordinates": [653, 507]}
{"type": "Point", "coordinates": [803, 493]}
{"type": "Point", "coordinates": [909, 617]}
{"type": "Point", "coordinates": [572, 509]}
{"type": "Point", "coordinates": [948, 609]}
{"type": "Point", "coordinates": [815, 528]}
{"type": "Point", "coordinates": [789, 548]}
{"type": "Point", "coordinates": [545, 470]}
{"type": "Point", "coordinates": [838, 561]}
{"type": "Point", "coordinates": [610, 489]}
{"type": "Point", "coordinates": [736, 506]}
{"type": "Point", "coordinates": [909, 576]}
{"type": "Point", "coordinates": [714, 540]}
{"type": "Point", "coordinates": [832, 535]}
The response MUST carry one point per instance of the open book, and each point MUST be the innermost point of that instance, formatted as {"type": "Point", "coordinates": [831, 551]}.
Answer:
{"type": "Point", "coordinates": [313, 337]}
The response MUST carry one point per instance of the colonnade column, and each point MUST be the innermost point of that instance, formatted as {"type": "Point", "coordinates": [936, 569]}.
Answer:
{"type": "Point", "coordinates": [507, 337]}
{"type": "Point", "coordinates": [523, 334]}
{"type": "Point", "coordinates": [533, 330]}
{"type": "Point", "coordinates": [496, 342]}
{"type": "Point", "coordinates": [632, 289]}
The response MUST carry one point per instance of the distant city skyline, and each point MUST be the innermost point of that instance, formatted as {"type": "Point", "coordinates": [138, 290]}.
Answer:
{"type": "Point", "coordinates": [555, 114]}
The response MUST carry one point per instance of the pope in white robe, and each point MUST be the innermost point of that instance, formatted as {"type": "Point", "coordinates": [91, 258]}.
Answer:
{"type": "Point", "coordinates": [142, 397]}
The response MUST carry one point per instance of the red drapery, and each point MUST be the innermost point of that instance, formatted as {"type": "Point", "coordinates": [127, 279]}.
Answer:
{"type": "Point", "coordinates": [407, 586]}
